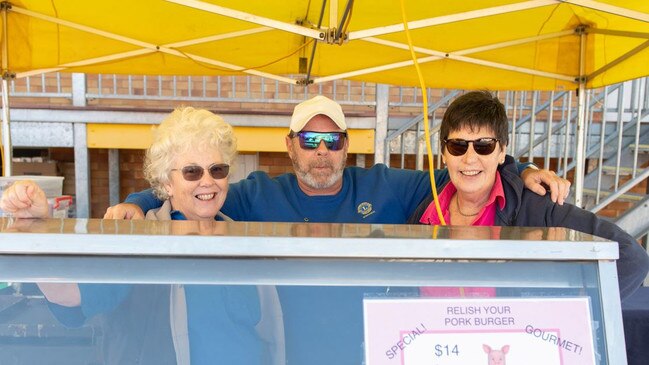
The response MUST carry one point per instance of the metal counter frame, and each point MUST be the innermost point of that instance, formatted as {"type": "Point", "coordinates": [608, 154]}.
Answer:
{"type": "Point", "coordinates": [94, 251]}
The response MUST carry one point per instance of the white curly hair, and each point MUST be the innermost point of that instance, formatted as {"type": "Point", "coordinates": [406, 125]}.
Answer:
{"type": "Point", "coordinates": [186, 129]}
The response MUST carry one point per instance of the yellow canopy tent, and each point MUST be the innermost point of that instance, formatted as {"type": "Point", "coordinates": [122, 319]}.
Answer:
{"type": "Point", "coordinates": [507, 45]}
{"type": "Point", "coordinates": [493, 44]}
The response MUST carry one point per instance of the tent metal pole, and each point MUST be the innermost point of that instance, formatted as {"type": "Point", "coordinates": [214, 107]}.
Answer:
{"type": "Point", "coordinates": [581, 122]}
{"type": "Point", "coordinates": [446, 19]}
{"type": "Point", "coordinates": [149, 48]}
{"type": "Point", "coordinates": [6, 131]}
{"type": "Point", "coordinates": [333, 13]}
{"type": "Point", "coordinates": [381, 150]}
{"type": "Point", "coordinates": [307, 80]}
{"type": "Point", "coordinates": [611, 9]}
{"type": "Point", "coordinates": [438, 55]}
{"type": "Point", "coordinates": [343, 20]}
{"type": "Point", "coordinates": [251, 18]}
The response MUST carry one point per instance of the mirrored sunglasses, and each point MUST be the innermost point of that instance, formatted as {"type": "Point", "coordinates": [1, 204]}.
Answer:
{"type": "Point", "coordinates": [482, 146]}
{"type": "Point", "coordinates": [334, 141]}
{"type": "Point", "coordinates": [194, 173]}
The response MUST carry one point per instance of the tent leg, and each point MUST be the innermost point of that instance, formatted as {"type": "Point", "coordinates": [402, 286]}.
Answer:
{"type": "Point", "coordinates": [6, 75]}
{"type": "Point", "coordinates": [113, 176]}
{"type": "Point", "coordinates": [6, 131]}
{"type": "Point", "coordinates": [81, 171]}
{"type": "Point", "coordinates": [581, 126]}
{"type": "Point", "coordinates": [380, 149]}
{"type": "Point", "coordinates": [580, 154]}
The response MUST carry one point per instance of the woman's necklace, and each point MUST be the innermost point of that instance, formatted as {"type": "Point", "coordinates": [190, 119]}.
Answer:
{"type": "Point", "coordinates": [457, 203]}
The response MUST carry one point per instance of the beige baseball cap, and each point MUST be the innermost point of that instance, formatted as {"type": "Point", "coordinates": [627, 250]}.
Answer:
{"type": "Point", "coordinates": [308, 109]}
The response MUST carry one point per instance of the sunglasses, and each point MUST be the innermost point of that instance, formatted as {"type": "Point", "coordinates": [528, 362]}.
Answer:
{"type": "Point", "coordinates": [334, 141]}
{"type": "Point", "coordinates": [482, 146]}
{"type": "Point", "coordinates": [194, 173]}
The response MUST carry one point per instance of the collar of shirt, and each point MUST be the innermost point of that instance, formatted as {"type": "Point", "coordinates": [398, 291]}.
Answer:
{"type": "Point", "coordinates": [177, 215]}
{"type": "Point", "coordinates": [486, 216]}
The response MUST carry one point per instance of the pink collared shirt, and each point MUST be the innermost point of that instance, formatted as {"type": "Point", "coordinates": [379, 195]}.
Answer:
{"type": "Point", "coordinates": [486, 216]}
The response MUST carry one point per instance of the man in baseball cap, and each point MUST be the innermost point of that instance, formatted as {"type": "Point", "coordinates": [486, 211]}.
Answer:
{"type": "Point", "coordinates": [317, 144]}
{"type": "Point", "coordinates": [319, 105]}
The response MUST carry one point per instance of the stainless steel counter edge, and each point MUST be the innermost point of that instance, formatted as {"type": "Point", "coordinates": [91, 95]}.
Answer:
{"type": "Point", "coordinates": [281, 246]}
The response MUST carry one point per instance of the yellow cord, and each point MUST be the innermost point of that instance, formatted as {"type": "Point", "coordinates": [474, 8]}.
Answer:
{"type": "Point", "coordinates": [424, 96]}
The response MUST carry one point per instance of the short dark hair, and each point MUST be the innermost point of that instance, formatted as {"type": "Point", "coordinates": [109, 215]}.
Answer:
{"type": "Point", "coordinates": [475, 110]}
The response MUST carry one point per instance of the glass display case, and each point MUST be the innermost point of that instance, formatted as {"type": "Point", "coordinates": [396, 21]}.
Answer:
{"type": "Point", "coordinates": [305, 290]}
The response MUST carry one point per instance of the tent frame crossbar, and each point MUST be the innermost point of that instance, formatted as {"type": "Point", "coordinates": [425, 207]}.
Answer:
{"type": "Point", "coordinates": [147, 48]}
{"type": "Point", "coordinates": [457, 56]}
{"type": "Point", "coordinates": [367, 35]}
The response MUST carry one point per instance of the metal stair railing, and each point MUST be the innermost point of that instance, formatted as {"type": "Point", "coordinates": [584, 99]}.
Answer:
{"type": "Point", "coordinates": [556, 128]}
{"type": "Point", "coordinates": [528, 118]}
{"type": "Point", "coordinates": [631, 124]}
{"type": "Point", "coordinates": [624, 142]}
{"type": "Point", "coordinates": [546, 137]}
{"type": "Point", "coordinates": [618, 134]}
{"type": "Point", "coordinates": [634, 221]}
{"type": "Point", "coordinates": [415, 122]}
{"type": "Point", "coordinates": [621, 190]}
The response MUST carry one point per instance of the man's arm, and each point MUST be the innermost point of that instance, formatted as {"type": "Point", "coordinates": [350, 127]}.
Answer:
{"type": "Point", "coordinates": [540, 181]}
{"type": "Point", "coordinates": [413, 187]}
{"type": "Point", "coordinates": [134, 206]}
{"type": "Point", "coordinates": [535, 179]}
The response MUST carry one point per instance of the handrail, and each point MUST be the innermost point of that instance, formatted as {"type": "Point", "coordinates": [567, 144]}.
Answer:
{"type": "Point", "coordinates": [589, 152]}
{"type": "Point", "coordinates": [634, 221]}
{"type": "Point", "coordinates": [623, 189]}
{"type": "Point", "coordinates": [414, 122]}
{"type": "Point", "coordinates": [528, 117]}
{"type": "Point", "coordinates": [558, 127]}
{"type": "Point", "coordinates": [420, 117]}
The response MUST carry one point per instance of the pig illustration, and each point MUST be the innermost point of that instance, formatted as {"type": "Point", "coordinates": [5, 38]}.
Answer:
{"type": "Point", "coordinates": [496, 357]}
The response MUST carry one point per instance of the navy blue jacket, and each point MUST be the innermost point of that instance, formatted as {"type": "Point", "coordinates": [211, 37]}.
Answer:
{"type": "Point", "coordinates": [525, 208]}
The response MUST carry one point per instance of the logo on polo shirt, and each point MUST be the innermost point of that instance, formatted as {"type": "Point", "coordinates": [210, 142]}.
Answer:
{"type": "Point", "coordinates": [365, 209]}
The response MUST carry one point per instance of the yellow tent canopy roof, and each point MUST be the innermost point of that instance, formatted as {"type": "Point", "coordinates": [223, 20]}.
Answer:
{"type": "Point", "coordinates": [527, 45]}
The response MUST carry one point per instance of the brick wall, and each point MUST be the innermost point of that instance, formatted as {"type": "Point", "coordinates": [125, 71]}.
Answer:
{"type": "Point", "coordinates": [130, 175]}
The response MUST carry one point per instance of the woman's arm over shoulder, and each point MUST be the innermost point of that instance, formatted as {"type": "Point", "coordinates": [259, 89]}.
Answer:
{"type": "Point", "coordinates": [135, 206]}
{"type": "Point", "coordinates": [144, 199]}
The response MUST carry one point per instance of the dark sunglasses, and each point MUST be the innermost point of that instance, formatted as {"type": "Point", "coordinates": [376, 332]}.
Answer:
{"type": "Point", "coordinates": [482, 146]}
{"type": "Point", "coordinates": [334, 141]}
{"type": "Point", "coordinates": [194, 173]}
